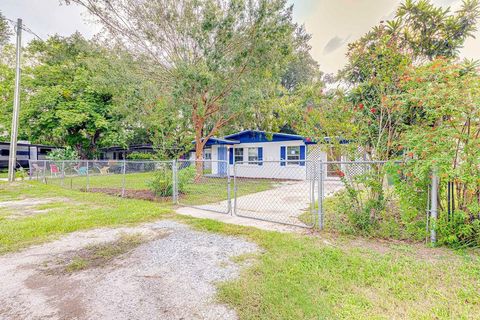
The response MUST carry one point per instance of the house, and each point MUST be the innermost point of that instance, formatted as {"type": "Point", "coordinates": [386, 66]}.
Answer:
{"type": "Point", "coordinates": [258, 154]}
{"type": "Point", "coordinates": [121, 153]}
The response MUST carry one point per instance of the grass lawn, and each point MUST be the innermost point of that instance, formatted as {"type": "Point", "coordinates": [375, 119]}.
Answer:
{"type": "Point", "coordinates": [69, 211]}
{"type": "Point", "coordinates": [209, 190]}
{"type": "Point", "coordinates": [295, 276]}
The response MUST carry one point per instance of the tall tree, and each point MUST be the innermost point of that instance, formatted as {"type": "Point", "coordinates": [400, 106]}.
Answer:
{"type": "Point", "coordinates": [5, 31]}
{"type": "Point", "coordinates": [419, 32]}
{"type": "Point", "coordinates": [302, 69]}
{"type": "Point", "coordinates": [427, 31]}
{"type": "Point", "coordinates": [206, 54]}
{"type": "Point", "coordinates": [64, 105]}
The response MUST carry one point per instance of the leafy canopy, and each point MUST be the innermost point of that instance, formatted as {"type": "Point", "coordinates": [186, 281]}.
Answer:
{"type": "Point", "coordinates": [65, 107]}
{"type": "Point", "coordinates": [213, 59]}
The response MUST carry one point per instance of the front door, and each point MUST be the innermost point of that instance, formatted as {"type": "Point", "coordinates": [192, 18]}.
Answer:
{"type": "Point", "coordinates": [222, 160]}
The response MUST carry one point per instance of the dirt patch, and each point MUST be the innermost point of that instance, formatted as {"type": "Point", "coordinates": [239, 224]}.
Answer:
{"type": "Point", "coordinates": [98, 255]}
{"type": "Point", "coordinates": [17, 209]}
{"type": "Point", "coordinates": [131, 194]}
{"type": "Point", "coordinates": [171, 276]}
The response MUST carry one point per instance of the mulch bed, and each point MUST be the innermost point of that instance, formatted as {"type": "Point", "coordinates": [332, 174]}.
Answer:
{"type": "Point", "coordinates": [131, 194]}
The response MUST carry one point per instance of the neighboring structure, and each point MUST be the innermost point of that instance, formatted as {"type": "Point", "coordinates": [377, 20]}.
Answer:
{"type": "Point", "coordinates": [258, 154]}
{"type": "Point", "coordinates": [25, 152]}
{"type": "Point", "coordinates": [120, 153]}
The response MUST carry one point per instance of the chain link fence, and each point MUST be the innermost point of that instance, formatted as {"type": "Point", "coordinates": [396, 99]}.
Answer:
{"type": "Point", "coordinates": [355, 193]}
{"type": "Point", "coordinates": [301, 193]}
{"type": "Point", "coordinates": [204, 184]}
{"type": "Point", "coordinates": [276, 191]}
{"type": "Point", "coordinates": [148, 180]}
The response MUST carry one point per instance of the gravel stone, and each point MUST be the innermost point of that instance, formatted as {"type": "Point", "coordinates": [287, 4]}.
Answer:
{"type": "Point", "coordinates": [172, 277]}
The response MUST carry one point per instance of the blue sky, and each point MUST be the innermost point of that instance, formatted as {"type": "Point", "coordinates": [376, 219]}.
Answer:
{"type": "Point", "coordinates": [332, 23]}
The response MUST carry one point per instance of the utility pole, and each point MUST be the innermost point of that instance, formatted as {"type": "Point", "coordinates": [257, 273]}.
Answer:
{"type": "Point", "coordinates": [12, 160]}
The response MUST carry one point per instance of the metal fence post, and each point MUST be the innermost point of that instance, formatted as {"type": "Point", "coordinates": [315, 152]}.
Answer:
{"type": "Point", "coordinates": [174, 182]}
{"type": "Point", "coordinates": [434, 207]}
{"type": "Point", "coordinates": [63, 172]}
{"type": "Point", "coordinates": [234, 209]}
{"type": "Point", "coordinates": [124, 172]}
{"type": "Point", "coordinates": [88, 177]}
{"type": "Point", "coordinates": [44, 171]}
{"type": "Point", "coordinates": [229, 196]}
{"type": "Point", "coordinates": [315, 194]}
{"type": "Point", "coordinates": [320, 194]}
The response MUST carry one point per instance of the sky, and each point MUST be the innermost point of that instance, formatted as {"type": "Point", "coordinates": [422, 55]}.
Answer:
{"type": "Point", "coordinates": [332, 23]}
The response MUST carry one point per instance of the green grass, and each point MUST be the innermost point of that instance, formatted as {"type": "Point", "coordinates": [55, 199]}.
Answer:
{"type": "Point", "coordinates": [72, 212]}
{"type": "Point", "coordinates": [212, 190]}
{"type": "Point", "coordinates": [133, 181]}
{"type": "Point", "coordinates": [209, 190]}
{"type": "Point", "coordinates": [293, 276]}
{"type": "Point", "coordinates": [100, 255]}
{"type": "Point", "coordinates": [303, 277]}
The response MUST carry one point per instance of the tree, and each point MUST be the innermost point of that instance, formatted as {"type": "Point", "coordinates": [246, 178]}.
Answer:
{"type": "Point", "coordinates": [426, 31]}
{"type": "Point", "coordinates": [376, 62]}
{"type": "Point", "coordinates": [7, 88]}
{"type": "Point", "coordinates": [376, 67]}
{"type": "Point", "coordinates": [206, 54]}
{"type": "Point", "coordinates": [302, 69]}
{"type": "Point", "coordinates": [64, 106]}
{"type": "Point", "coordinates": [5, 31]}
{"type": "Point", "coordinates": [445, 135]}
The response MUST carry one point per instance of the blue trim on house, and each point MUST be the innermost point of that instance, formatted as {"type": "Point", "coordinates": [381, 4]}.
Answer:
{"type": "Point", "coordinates": [222, 156]}
{"type": "Point", "coordinates": [260, 156]}
{"type": "Point", "coordinates": [283, 155]}
{"type": "Point", "coordinates": [219, 141]}
{"type": "Point", "coordinates": [254, 136]}
{"type": "Point", "coordinates": [302, 155]}
{"type": "Point", "coordinates": [230, 155]}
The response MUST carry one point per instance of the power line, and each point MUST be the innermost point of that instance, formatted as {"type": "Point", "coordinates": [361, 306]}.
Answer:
{"type": "Point", "coordinates": [24, 28]}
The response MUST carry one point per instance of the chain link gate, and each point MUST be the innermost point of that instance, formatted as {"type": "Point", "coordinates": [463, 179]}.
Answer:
{"type": "Point", "coordinates": [276, 191]}
{"type": "Point", "coordinates": [203, 184]}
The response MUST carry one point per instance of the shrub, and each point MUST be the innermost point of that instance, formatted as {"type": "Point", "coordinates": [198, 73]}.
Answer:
{"type": "Point", "coordinates": [162, 182]}
{"type": "Point", "coordinates": [377, 203]}
{"type": "Point", "coordinates": [63, 154]}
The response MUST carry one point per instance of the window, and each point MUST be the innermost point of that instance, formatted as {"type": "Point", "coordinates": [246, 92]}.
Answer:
{"type": "Point", "coordinates": [293, 155]}
{"type": "Point", "coordinates": [4, 152]}
{"type": "Point", "coordinates": [207, 154]}
{"type": "Point", "coordinates": [238, 154]}
{"type": "Point", "coordinates": [253, 155]}
{"type": "Point", "coordinates": [44, 150]}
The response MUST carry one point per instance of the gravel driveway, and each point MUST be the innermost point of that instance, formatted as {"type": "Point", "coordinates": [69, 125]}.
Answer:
{"type": "Point", "coordinates": [172, 277]}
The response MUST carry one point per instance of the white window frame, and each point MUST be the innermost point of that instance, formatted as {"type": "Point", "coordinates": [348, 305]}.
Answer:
{"type": "Point", "coordinates": [252, 159]}
{"type": "Point", "coordinates": [293, 159]}
{"type": "Point", "coordinates": [235, 155]}
{"type": "Point", "coordinates": [207, 152]}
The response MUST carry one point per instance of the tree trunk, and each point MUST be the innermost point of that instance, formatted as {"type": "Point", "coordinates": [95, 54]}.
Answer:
{"type": "Point", "coordinates": [199, 144]}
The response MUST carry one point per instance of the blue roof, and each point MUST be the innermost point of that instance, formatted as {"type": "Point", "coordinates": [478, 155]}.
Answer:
{"type": "Point", "coordinates": [220, 141]}
{"type": "Point", "coordinates": [249, 136]}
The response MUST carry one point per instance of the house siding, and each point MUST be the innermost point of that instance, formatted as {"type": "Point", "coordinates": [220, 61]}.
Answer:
{"type": "Point", "coordinates": [270, 167]}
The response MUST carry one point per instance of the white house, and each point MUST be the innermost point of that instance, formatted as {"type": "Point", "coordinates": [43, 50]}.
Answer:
{"type": "Point", "coordinates": [258, 154]}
